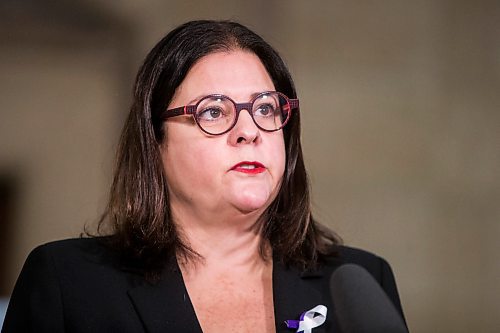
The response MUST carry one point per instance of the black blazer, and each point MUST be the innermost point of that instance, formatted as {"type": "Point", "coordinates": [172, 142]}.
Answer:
{"type": "Point", "coordinates": [79, 285]}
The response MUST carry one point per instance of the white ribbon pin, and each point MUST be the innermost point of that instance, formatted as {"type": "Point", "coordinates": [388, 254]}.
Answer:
{"type": "Point", "coordinates": [309, 319]}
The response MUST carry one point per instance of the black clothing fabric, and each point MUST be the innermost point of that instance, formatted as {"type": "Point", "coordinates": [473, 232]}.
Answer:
{"type": "Point", "coordinates": [80, 285]}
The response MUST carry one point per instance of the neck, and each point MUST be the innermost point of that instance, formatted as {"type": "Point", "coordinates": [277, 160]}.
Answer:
{"type": "Point", "coordinates": [233, 240]}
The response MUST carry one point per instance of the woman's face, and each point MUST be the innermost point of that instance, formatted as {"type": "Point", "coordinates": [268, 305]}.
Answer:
{"type": "Point", "coordinates": [237, 172]}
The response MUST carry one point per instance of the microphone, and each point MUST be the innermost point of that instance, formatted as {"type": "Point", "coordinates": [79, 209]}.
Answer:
{"type": "Point", "coordinates": [360, 303]}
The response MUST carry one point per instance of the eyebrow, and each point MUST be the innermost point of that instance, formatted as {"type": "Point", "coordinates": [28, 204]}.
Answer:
{"type": "Point", "coordinates": [197, 99]}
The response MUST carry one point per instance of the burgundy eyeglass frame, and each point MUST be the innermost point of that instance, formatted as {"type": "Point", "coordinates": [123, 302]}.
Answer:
{"type": "Point", "coordinates": [292, 103]}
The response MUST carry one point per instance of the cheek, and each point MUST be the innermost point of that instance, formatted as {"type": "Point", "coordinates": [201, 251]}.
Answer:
{"type": "Point", "coordinates": [189, 165]}
{"type": "Point", "coordinates": [180, 163]}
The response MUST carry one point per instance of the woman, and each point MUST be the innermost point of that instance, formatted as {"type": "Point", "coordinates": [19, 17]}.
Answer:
{"type": "Point", "coordinates": [209, 218]}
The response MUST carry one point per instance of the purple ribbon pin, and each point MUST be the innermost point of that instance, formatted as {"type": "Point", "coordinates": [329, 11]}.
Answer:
{"type": "Point", "coordinates": [309, 319]}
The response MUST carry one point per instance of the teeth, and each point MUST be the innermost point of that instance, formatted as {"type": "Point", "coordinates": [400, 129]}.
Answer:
{"type": "Point", "coordinates": [247, 166]}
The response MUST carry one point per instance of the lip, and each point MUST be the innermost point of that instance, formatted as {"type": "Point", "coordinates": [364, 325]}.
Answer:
{"type": "Point", "coordinates": [240, 167]}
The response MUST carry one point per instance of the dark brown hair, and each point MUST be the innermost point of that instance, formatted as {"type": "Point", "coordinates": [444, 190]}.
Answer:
{"type": "Point", "coordinates": [138, 212]}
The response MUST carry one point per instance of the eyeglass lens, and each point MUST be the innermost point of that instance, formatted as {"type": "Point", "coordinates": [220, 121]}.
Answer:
{"type": "Point", "coordinates": [217, 114]}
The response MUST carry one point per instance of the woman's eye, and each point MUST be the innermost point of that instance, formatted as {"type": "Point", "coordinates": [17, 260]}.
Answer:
{"type": "Point", "coordinates": [211, 114]}
{"type": "Point", "coordinates": [265, 110]}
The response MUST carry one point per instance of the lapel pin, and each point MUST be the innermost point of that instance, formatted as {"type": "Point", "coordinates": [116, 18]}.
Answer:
{"type": "Point", "coordinates": [309, 319]}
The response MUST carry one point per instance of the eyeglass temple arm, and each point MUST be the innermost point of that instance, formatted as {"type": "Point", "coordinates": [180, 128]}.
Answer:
{"type": "Point", "coordinates": [181, 110]}
{"type": "Point", "coordinates": [294, 104]}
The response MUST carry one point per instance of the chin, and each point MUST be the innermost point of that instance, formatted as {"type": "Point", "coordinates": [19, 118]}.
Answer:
{"type": "Point", "coordinates": [251, 205]}
{"type": "Point", "coordinates": [251, 198]}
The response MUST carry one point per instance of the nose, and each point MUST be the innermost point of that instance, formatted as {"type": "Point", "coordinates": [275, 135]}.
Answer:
{"type": "Point", "coordinates": [244, 131]}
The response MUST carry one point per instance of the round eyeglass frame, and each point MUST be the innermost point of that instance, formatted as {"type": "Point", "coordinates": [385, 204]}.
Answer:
{"type": "Point", "coordinates": [292, 103]}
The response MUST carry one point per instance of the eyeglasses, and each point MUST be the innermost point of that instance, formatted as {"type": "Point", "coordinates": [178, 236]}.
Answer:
{"type": "Point", "coordinates": [217, 114]}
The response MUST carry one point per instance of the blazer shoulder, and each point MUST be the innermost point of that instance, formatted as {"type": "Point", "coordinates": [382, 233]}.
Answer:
{"type": "Point", "coordinates": [78, 251]}
{"type": "Point", "coordinates": [359, 256]}
{"type": "Point", "coordinates": [355, 254]}
{"type": "Point", "coordinates": [36, 303]}
{"type": "Point", "coordinates": [373, 263]}
{"type": "Point", "coordinates": [71, 245]}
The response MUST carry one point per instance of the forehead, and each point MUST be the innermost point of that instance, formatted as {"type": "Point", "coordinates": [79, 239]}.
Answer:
{"type": "Point", "coordinates": [238, 74]}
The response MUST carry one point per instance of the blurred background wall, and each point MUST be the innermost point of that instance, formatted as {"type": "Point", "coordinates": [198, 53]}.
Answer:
{"type": "Point", "coordinates": [401, 128]}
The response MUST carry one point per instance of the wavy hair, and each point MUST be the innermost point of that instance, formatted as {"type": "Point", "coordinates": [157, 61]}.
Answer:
{"type": "Point", "coordinates": [138, 213]}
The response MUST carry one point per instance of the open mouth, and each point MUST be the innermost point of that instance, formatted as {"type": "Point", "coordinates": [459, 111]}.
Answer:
{"type": "Point", "coordinates": [249, 167]}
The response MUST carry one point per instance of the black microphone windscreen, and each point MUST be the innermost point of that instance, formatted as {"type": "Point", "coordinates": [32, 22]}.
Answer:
{"type": "Point", "coordinates": [360, 304]}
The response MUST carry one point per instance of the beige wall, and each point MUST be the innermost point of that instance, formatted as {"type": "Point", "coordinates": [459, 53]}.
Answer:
{"type": "Point", "coordinates": [400, 107]}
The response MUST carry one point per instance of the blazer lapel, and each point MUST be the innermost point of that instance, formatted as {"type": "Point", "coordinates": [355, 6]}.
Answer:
{"type": "Point", "coordinates": [293, 295]}
{"type": "Point", "coordinates": [165, 306]}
